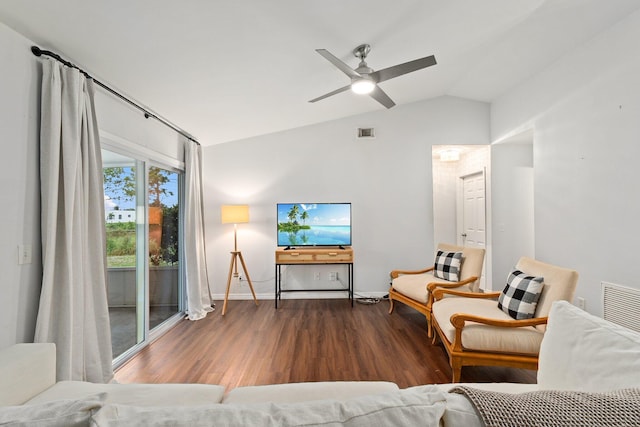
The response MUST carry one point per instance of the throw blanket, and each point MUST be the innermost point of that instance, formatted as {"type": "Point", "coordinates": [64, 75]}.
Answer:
{"type": "Point", "coordinates": [550, 408]}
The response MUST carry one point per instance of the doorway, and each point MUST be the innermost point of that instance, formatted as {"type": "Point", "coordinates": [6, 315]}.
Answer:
{"type": "Point", "coordinates": [460, 198]}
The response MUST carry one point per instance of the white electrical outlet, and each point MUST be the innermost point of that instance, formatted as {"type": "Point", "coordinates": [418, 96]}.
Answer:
{"type": "Point", "coordinates": [333, 276]}
{"type": "Point", "coordinates": [316, 275]}
{"type": "Point", "coordinates": [580, 303]}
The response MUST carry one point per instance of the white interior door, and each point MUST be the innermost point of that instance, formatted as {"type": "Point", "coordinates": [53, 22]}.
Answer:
{"type": "Point", "coordinates": [473, 232]}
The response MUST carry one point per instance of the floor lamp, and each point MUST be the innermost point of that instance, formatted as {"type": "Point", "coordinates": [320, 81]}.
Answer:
{"type": "Point", "coordinates": [236, 214]}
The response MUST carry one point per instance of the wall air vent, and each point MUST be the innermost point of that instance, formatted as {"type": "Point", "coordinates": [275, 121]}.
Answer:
{"type": "Point", "coordinates": [366, 133]}
{"type": "Point", "coordinates": [621, 305]}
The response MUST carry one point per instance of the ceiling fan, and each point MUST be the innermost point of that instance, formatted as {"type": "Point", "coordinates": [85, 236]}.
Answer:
{"type": "Point", "coordinates": [365, 81]}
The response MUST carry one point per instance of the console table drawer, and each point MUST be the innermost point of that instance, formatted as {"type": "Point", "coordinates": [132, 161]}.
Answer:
{"type": "Point", "coordinates": [294, 257]}
{"type": "Point", "coordinates": [335, 257]}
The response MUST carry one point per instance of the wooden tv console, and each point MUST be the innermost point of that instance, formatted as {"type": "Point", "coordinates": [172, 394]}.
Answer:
{"type": "Point", "coordinates": [310, 256]}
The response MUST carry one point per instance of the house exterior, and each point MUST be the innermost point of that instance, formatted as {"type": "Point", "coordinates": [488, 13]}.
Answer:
{"type": "Point", "coordinates": [117, 216]}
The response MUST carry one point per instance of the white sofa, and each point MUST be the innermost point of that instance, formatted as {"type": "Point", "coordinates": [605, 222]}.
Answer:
{"type": "Point", "coordinates": [579, 352]}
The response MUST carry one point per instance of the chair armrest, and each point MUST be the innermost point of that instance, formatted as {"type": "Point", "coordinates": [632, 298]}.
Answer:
{"type": "Point", "coordinates": [458, 320]}
{"type": "Point", "coordinates": [433, 285]}
{"type": "Point", "coordinates": [26, 371]}
{"type": "Point", "coordinates": [395, 273]}
{"type": "Point", "coordinates": [439, 293]}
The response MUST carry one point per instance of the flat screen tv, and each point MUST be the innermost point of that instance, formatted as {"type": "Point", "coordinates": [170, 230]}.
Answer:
{"type": "Point", "coordinates": [314, 224]}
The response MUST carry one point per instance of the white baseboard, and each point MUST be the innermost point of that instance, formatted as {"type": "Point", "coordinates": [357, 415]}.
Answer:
{"type": "Point", "coordinates": [300, 295]}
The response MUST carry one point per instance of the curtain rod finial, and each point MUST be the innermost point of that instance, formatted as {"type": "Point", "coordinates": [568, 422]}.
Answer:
{"type": "Point", "coordinates": [36, 50]}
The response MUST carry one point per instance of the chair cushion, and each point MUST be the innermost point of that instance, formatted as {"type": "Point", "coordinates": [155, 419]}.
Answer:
{"type": "Point", "coordinates": [476, 336]}
{"type": "Point", "coordinates": [447, 265]}
{"type": "Point", "coordinates": [586, 353]}
{"type": "Point", "coordinates": [559, 284]}
{"type": "Point", "coordinates": [472, 262]}
{"type": "Point", "coordinates": [520, 296]}
{"type": "Point", "coordinates": [414, 286]}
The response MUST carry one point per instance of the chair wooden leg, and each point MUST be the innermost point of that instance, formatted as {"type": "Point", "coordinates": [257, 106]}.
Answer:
{"type": "Point", "coordinates": [391, 307]}
{"type": "Point", "coordinates": [434, 339]}
{"type": "Point", "coordinates": [429, 325]}
{"type": "Point", "coordinates": [456, 369]}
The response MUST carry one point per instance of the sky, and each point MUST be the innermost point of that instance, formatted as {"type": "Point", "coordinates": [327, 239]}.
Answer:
{"type": "Point", "coordinates": [116, 197]}
{"type": "Point", "coordinates": [319, 213]}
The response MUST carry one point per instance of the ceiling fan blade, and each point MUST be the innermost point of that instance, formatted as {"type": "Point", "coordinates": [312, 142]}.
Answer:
{"type": "Point", "coordinates": [338, 63]}
{"type": "Point", "coordinates": [380, 96]}
{"type": "Point", "coordinates": [400, 69]}
{"type": "Point", "coordinates": [326, 95]}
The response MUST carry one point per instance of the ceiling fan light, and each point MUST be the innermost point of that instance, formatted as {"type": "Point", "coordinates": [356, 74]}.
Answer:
{"type": "Point", "coordinates": [362, 86]}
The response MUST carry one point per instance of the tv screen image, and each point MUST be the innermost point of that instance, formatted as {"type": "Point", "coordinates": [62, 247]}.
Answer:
{"type": "Point", "coordinates": [314, 224]}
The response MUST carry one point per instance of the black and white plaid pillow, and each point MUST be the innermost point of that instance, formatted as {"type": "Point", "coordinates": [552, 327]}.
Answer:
{"type": "Point", "coordinates": [520, 297]}
{"type": "Point", "coordinates": [447, 265]}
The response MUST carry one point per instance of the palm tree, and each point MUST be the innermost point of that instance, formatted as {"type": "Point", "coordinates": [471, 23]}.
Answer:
{"type": "Point", "coordinates": [293, 214]}
{"type": "Point", "coordinates": [304, 217]}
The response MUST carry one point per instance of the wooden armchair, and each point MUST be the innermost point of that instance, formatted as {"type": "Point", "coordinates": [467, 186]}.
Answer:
{"type": "Point", "coordinates": [476, 332]}
{"type": "Point", "coordinates": [414, 287]}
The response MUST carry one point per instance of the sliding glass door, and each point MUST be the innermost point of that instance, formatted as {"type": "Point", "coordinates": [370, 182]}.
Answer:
{"type": "Point", "coordinates": [142, 221]}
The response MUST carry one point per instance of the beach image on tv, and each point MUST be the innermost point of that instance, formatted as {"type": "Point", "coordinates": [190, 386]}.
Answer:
{"type": "Point", "coordinates": [314, 224]}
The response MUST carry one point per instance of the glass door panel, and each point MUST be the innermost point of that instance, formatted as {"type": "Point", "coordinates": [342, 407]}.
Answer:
{"type": "Point", "coordinates": [126, 310]}
{"type": "Point", "coordinates": [164, 269]}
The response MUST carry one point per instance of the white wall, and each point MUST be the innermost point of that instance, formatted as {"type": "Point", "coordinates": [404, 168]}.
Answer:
{"type": "Point", "coordinates": [585, 113]}
{"type": "Point", "coordinates": [127, 128]}
{"type": "Point", "coordinates": [19, 174]}
{"type": "Point", "coordinates": [445, 178]}
{"type": "Point", "coordinates": [387, 179]}
{"type": "Point", "coordinates": [512, 208]}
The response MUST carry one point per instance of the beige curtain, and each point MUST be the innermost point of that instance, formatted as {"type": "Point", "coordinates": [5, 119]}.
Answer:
{"type": "Point", "coordinates": [198, 293]}
{"type": "Point", "coordinates": [73, 310]}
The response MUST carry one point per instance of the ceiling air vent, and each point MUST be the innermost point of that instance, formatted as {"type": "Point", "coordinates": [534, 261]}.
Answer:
{"type": "Point", "coordinates": [366, 133]}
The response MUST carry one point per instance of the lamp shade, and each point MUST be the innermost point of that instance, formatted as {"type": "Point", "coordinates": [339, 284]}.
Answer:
{"type": "Point", "coordinates": [235, 214]}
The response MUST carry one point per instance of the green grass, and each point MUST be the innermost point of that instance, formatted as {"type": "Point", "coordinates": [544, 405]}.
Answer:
{"type": "Point", "coordinates": [121, 261]}
{"type": "Point", "coordinates": [115, 261]}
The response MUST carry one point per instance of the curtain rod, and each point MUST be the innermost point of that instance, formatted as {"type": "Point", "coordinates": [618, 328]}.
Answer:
{"type": "Point", "coordinates": [147, 114]}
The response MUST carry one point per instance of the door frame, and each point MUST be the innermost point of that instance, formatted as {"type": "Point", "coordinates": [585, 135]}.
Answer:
{"type": "Point", "coordinates": [145, 159]}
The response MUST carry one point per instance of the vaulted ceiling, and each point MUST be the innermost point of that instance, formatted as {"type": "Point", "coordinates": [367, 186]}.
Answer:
{"type": "Point", "coordinates": [228, 70]}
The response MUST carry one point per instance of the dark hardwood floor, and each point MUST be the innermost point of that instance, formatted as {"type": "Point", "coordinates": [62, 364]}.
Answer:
{"type": "Point", "coordinates": [304, 340]}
